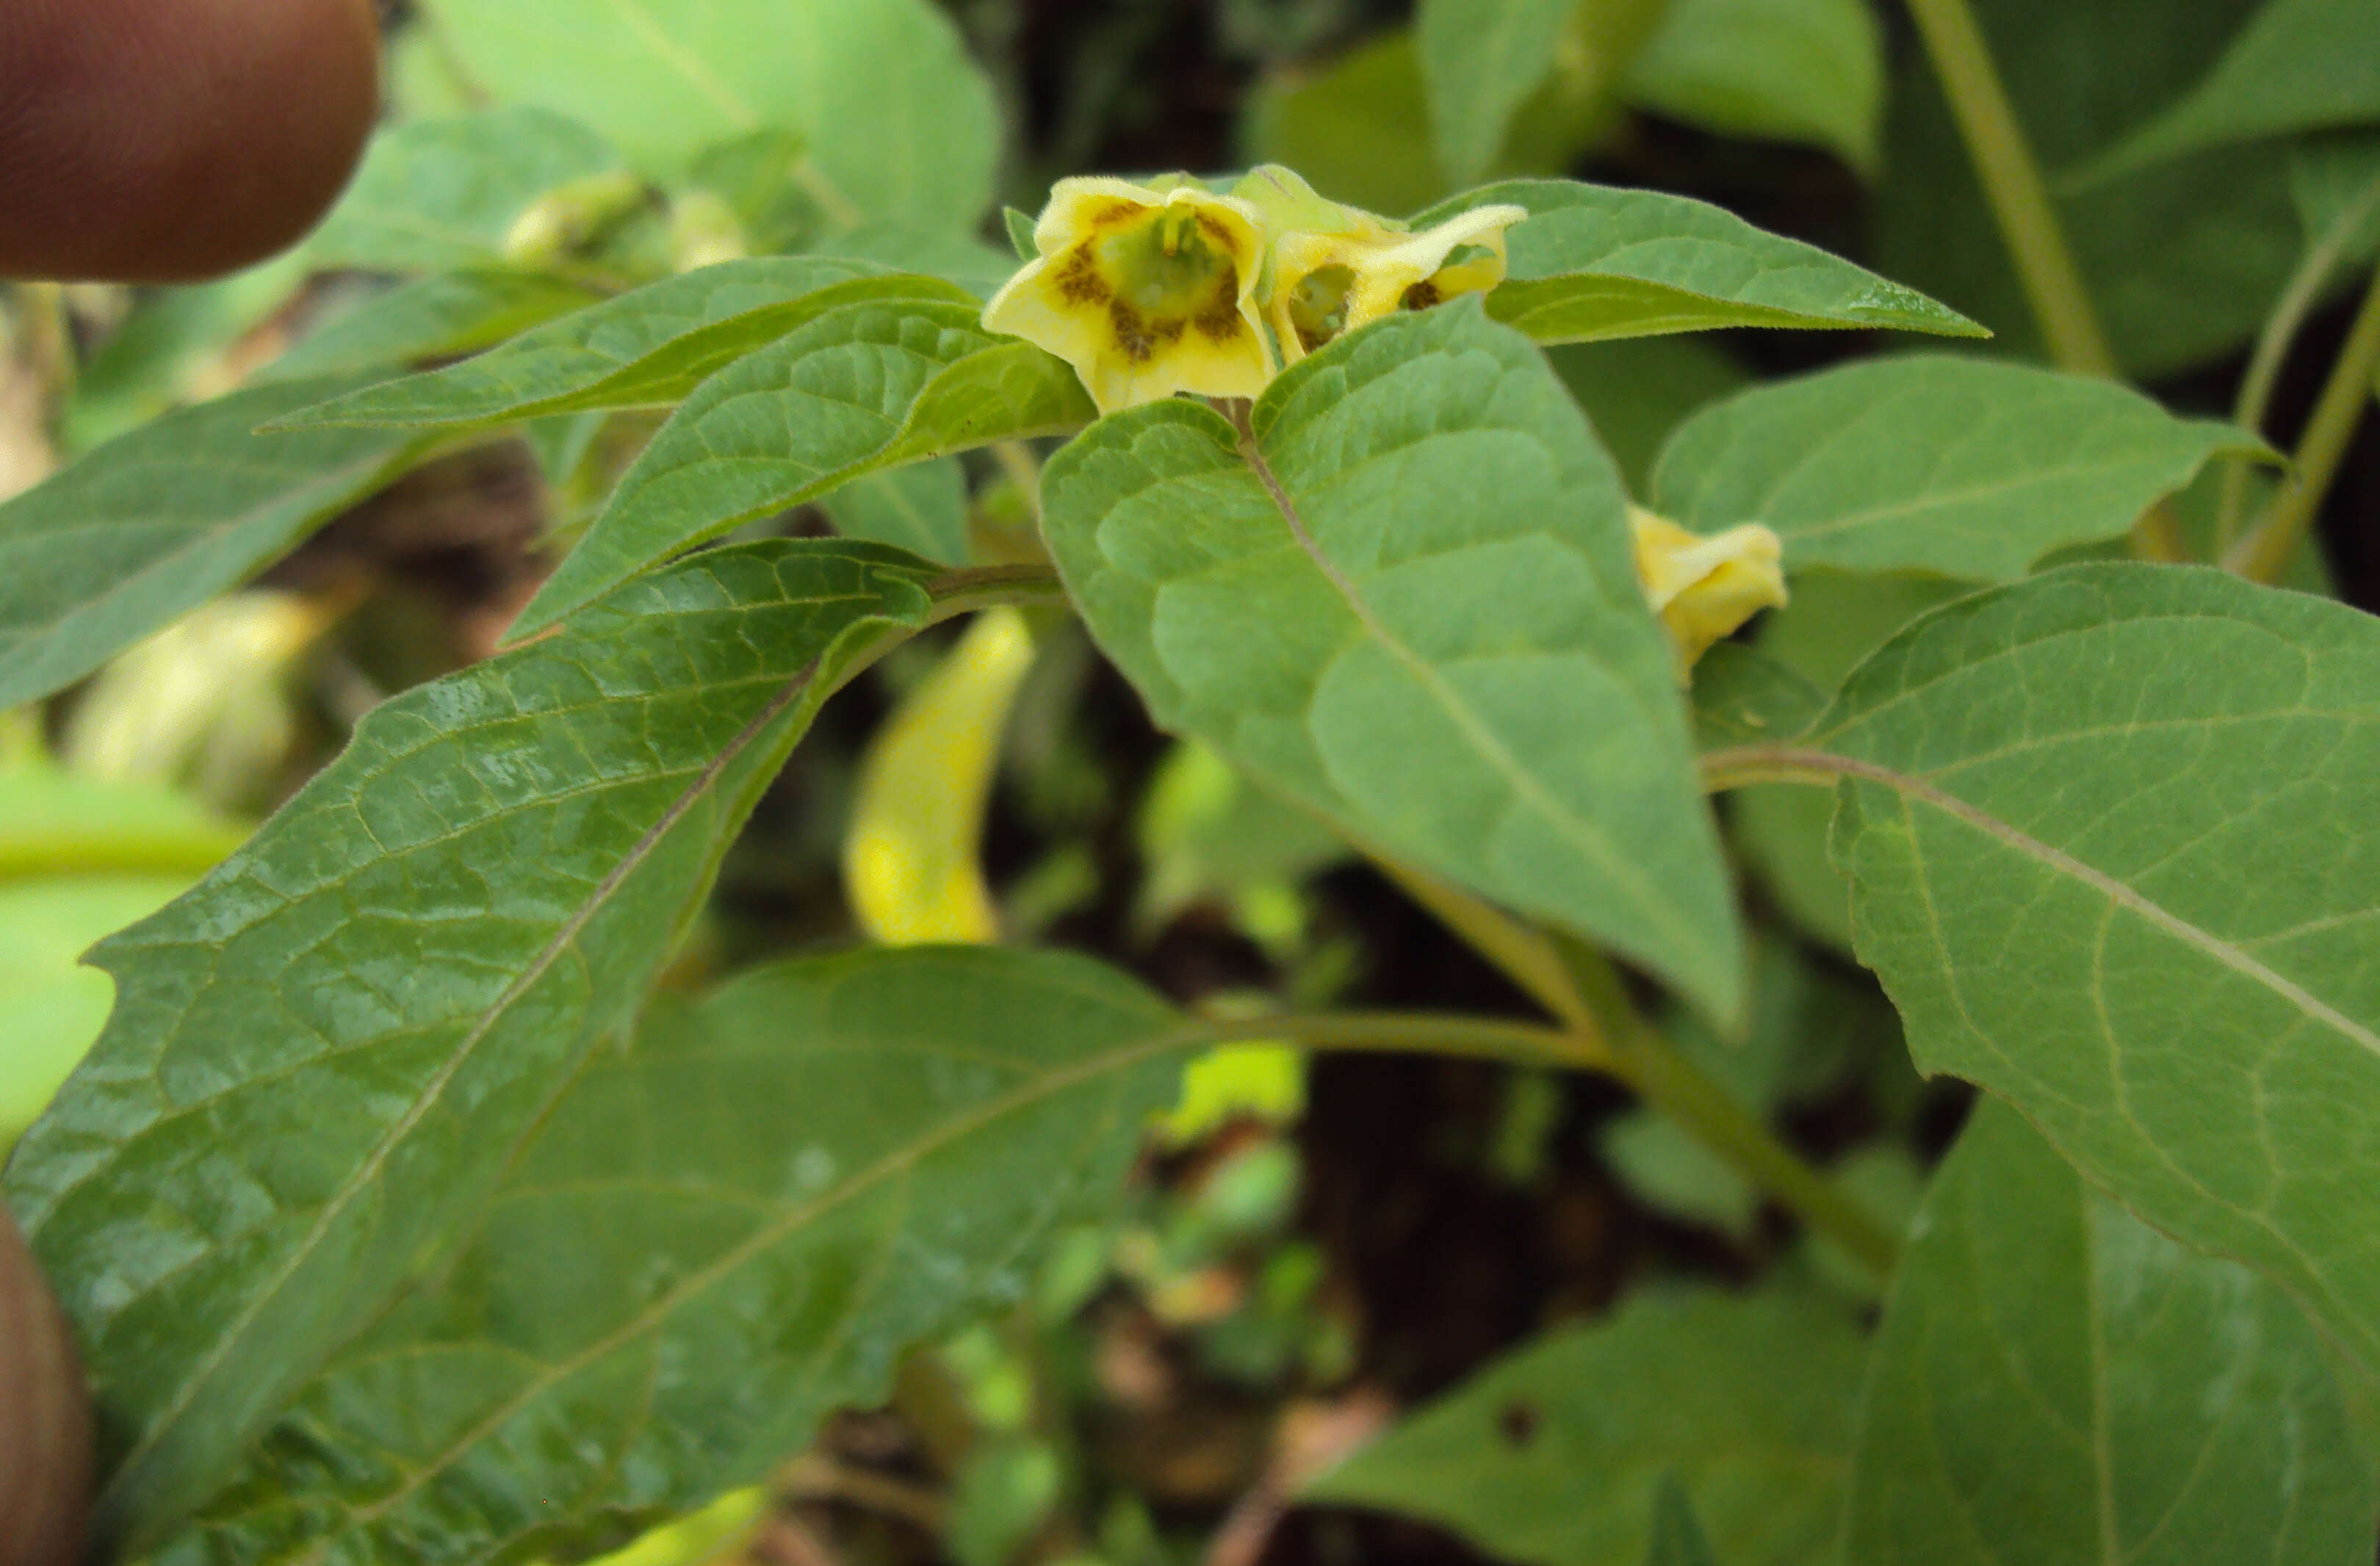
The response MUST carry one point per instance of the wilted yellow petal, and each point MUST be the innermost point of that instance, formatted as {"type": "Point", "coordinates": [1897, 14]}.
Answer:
{"type": "Point", "coordinates": [912, 859]}
{"type": "Point", "coordinates": [1704, 587]}
{"type": "Point", "coordinates": [1147, 290]}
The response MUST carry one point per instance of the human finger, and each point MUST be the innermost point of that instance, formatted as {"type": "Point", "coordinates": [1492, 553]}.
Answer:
{"type": "Point", "coordinates": [155, 141]}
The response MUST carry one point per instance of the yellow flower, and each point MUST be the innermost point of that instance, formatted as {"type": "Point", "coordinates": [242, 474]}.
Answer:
{"type": "Point", "coordinates": [1705, 588]}
{"type": "Point", "coordinates": [1327, 281]}
{"type": "Point", "coordinates": [1147, 290]}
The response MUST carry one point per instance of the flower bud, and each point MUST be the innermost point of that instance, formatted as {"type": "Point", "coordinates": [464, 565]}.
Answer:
{"type": "Point", "coordinates": [1705, 588]}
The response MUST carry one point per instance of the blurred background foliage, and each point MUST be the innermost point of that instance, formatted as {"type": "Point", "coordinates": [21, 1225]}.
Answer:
{"type": "Point", "coordinates": [1313, 1247]}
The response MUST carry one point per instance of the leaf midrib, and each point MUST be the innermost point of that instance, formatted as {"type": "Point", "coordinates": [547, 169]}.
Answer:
{"type": "Point", "coordinates": [2221, 950]}
{"type": "Point", "coordinates": [787, 1223]}
{"type": "Point", "coordinates": [432, 1091]}
{"type": "Point", "coordinates": [1523, 781]}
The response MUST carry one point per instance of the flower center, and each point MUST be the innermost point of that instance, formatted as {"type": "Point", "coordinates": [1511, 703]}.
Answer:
{"type": "Point", "coordinates": [1168, 268]}
{"type": "Point", "coordinates": [1317, 305]}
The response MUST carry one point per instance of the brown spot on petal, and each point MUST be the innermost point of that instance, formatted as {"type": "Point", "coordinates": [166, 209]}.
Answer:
{"type": "Point", "coordinates": [1114, 212]}
{"type": "Point", "coordinates": [1216, 229]}
{"type": "Point", "coordinates": [1220, 317]}
{"type": "Point", "coordinates": [1080, 281]}
{"type": "Point", "coordinates": [1132, 333]}
{"type": "Point", "coordinates": [1421, 296]}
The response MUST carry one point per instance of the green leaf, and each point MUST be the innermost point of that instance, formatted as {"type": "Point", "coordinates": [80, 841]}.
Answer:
{"type": "Point", "coordinates": [2055, 1381]}
{"type": "Point", "coordinates": [1961, 467]}
{"type": "Point", "coordinates": [160, 520]}
{"type": "Point", "coordinates": [1480, 59]}
{"type": "Point", "coordinates": [953, 258]}
{"type": "Point", "coordinates": [1460, 672]}
{"type": "Point", "coordinates": [2113, 841]}
{"type": "Point", "coordinates": [437, 317]}
{"type": "Point", "coordinates": [922, 509]}
{"type": "Point", "coordinates": [437, 195]}
{"type": "Point", "coordinates": [1744, 696]}
{"type": "Point", "coordinates": [723, 1236]}
{"type": "Point", "coordinates": [1678, 1538]}
{"type": "Point", "coordinates": [1557, 1454]}
{"type": "Point", "coordinates": [54, 822]}
{"type": "Point", "coordinates": [1593, 262]}
{"type": "Point", "coordinates": [1803, 71]}
{"type": "Point", "coordinates": [1636, 390]}
{"type": "Point", "coordinates": [1205, 831]}
{"type": "Point", "coordinates": [2299, 64]}
{"type": "Point", "coordinates": [759, 174]}
{"type": "Point", "coordinates": [1833, 622]}
{"type": "Point", "coordinates": [2335, 182]}
{"type": "Point", "coordinates": [647, 347]}
{"type": "Point", "coordinates": [54, 1006]}
{"type": "Point", "coordinates": [1019, 227]}
{"type": "Point", "coordinates": [323, 1058]}
{"type": "Point", "coordinates": [2184, 261]}
{"type": "Point", "coordinates": [847, 392]}
{"type": "Point", "coordinates": [900, 123]}
{"type": "Point", "coordinates": [1358, 127]}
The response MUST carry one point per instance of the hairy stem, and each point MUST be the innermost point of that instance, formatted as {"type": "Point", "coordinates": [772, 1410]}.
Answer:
{"type": "Point", "coordinates": [2267, 551]}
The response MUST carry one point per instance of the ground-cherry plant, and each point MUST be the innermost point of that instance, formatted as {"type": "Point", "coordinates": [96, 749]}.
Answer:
{"type": "Point", "coordinates": [445, 1187]}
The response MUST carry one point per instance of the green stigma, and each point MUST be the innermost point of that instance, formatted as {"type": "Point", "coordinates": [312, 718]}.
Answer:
{"type": "Point", "coordinates": [1167, 267]}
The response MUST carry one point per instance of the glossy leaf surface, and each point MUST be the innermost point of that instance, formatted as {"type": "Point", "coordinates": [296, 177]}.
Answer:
{"type": "Point", "coordinates": [1594, 261]}
{"type": "Point", "coordinates": [2056, 1382]}
{"type": "Point", "coordinates": [323, 1057]}
{"type": "Point", "coordinates": [646, 348]}
{"type": "Point", "coordinates": [1557, 1454]}
{"type": "Point", "coordinates": [160, 520]}
{"type": "Point", "coordinates": [723, 1235]}
{"type": "Point", "coordinates": [1410, 601]}
{"type": "Point", "coordinates": [2113, 841]}
{"type": "Point", "coordinates": [1960, 466]}
{"type": "Point", "coordinates": [850, 392]}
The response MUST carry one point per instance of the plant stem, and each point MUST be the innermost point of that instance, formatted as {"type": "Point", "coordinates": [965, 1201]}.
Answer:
{"type": "Point", "coordinates": [1407, 1033]}
{"type": "Point", "coordinates": [1666, 1078]}
{"type": "Point", "coordinates": [2012, 182]}
{"type": "Point", "coordinates": [2265, 552]}
{"type": "Point", "coordinates": [2028, 222]}
{"type": "Point", "coordinates": [1523, 954]}
{"type": "Point", "coordinates": [1604, 1031]}
{"type": "Point", "coordinates": [2297, 300]}
{"type": "Point", "coordinates": [190, 851]}
{"type": "Point", "coordinates": [962, 592]}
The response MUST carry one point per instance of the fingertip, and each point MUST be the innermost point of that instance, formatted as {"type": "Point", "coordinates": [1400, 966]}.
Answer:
{"type": "Point", "coordinates": [165, 140]}
{"type": "Point", "coordinates": [45, 1432]}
